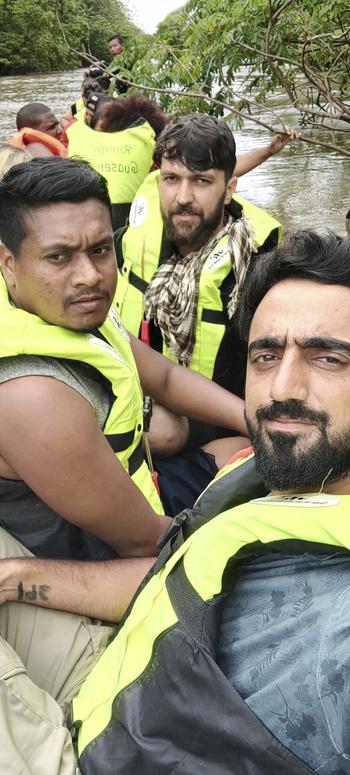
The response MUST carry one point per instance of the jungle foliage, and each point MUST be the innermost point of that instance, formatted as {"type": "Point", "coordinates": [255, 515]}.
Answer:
{"type": "Point", "coordinates": [287, 52]}
{"type": "Point", "coordinates": [33, 32]}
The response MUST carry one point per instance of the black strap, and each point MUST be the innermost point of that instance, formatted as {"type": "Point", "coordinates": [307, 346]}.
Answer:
{"type": "Point", "coordinates": [138, 282]}
{"type": "Point", "coordinates": [120, 441]}
{"type": "Point", "coordinates": [135, 460]}
{"type": "Point", "coordinates": [191, 610]}
{"type": "Point", "coordinates": [214, 316]}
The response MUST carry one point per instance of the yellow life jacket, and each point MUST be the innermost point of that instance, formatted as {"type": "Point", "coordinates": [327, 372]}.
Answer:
{"type": "Point", "coordinates": [80, 115]}
{"type": "Point", "coordinates": [26, 334]}
{"type": "Point", "coordinates": [123, 158]}
{"type": "Point", "coordinates": [78, 108]}
{"type": "Point", "coordinates": [139, 254]}
{"type": "Point", "coordinates": [156, 697]}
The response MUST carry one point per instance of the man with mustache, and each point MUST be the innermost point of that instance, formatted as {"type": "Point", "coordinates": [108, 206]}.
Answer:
{"type": "Point", "coordinates": [71, 401]}
{"type": "Point", "coordinates": [185, 254]}
{"type": "Point", "coordinates": [234, 655]}
{"type": "Point", "coordinates": [258, 646]}
{"type": "Point", "coordinates": [74, 482]}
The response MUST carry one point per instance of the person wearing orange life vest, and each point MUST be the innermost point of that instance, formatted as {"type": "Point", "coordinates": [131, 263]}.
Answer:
{"type": "Point", "coordinates": [39, 131]}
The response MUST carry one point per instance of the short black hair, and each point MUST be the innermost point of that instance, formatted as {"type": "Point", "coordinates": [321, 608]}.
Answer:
{"type": "Point", "coordinates": [40, 182]}
{"type": "Point", "coordinates": [90, 86]}
{"type": "Point", "coordinates": [30, 114]}
{"type": "Point", "coordinates": [200, 142]}
{"type": "Point", "coordinates": [117, 36]}
{"type": "Point", "coordinates": [307, 255]}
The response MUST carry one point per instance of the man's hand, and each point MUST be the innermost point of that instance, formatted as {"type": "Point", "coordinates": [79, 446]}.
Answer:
{"type": "Point", "coordinates": [101, 590]}
{"type": "Point", "coordinates": [250, 159]}
{"type": "Point", "coordinates": [280, 140]}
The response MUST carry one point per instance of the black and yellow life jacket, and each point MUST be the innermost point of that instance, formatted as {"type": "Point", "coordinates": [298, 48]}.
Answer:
{"type": "Point", "coordinates": [78, 109]}
{"type": "Point", "coordinates": [108, 352]}
{"type": "Point", "coordinates": [140, 250]}
{"type": "Point", "coordinates": [157, 702]}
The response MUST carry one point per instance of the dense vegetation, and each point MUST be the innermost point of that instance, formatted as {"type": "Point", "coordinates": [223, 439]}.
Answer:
{"type": "Point", "coordinates": [291, 52]}
{"type": "Point", "coordinates": [33, 32]}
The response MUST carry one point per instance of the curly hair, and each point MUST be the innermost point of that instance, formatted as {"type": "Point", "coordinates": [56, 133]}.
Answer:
{"type": "Point", "coordinates": [120, 114]}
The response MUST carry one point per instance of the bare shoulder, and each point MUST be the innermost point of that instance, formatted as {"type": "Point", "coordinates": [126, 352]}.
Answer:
{"type": "Point", "coordinates": [39, 394]}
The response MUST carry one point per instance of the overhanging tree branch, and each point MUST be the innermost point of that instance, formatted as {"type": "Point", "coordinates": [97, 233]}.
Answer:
{"type": "Point", "coordinates": [198, 95]}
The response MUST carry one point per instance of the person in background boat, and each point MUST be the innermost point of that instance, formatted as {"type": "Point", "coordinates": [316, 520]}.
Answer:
{"type": "Point", "coordinates": [236, 650]}
{"type": "Point", "coordinates": [9, 156]}
{"type": "Point", "coordinates": [116, 48]}
{"type": "Point", "coordinates": [77, 111]}
{"type": "Point", "coordinates": [39, 131]}
{"type": "Point", "coordinates": [115, 45]}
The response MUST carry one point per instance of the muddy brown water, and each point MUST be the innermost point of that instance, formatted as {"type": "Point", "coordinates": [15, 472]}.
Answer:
{"type": "Point", "coordinates": [303, 186]}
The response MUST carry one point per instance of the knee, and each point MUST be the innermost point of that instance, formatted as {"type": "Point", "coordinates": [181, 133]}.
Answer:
{"type": "Point", "coordinates": [168, 432]}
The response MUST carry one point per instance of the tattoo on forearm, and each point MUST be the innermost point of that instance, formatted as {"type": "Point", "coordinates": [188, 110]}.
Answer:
{"type": "Point", "coordinates": [34, 593]}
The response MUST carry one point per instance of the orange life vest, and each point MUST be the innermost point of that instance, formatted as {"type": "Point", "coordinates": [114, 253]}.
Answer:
{"type": "Point", "coordinates": [27, 135]}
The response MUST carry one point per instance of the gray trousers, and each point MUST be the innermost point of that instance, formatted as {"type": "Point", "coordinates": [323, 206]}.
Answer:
{"type": "Point", "coordinates": [44, 658]}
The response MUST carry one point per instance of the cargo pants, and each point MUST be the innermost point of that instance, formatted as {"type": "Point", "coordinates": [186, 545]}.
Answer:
{"type": "Point", "coordinates": [45, 655]}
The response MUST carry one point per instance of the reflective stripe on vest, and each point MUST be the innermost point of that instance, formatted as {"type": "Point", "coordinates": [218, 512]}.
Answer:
{"type": "Point", "coordinates": [27, 135]}
{"type": "Point", "coordinates": [141, 249]}
{"type": "Point", "coordinates": [206, 562]}
{"type": "Point", "coordinates": [111, 355]}
{"type": "Point", "coordinates": [123, 158]}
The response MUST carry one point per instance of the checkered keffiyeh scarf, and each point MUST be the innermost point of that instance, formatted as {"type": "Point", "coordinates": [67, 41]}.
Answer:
{"type": "Point", "coordinates": [171, 298]}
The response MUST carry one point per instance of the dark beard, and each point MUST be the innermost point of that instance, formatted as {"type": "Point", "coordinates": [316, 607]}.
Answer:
{"type": "Point", "coordinates": [201, 234]}
{"type": "Point", "coordinates": [282, 467]}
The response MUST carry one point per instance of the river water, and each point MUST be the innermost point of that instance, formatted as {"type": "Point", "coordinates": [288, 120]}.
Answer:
{"type": "Point", "coordinates": [303, 187]}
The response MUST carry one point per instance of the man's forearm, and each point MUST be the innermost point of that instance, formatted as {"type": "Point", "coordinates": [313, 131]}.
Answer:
{"type": "Point", "coordinates": [247, 161]}
{"type": "Point", "coordinates": [101, 590]}
{"type": "Point", "coordinates": [192, 395]}
{"type": "Point", "coordinates": [186, 392]}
